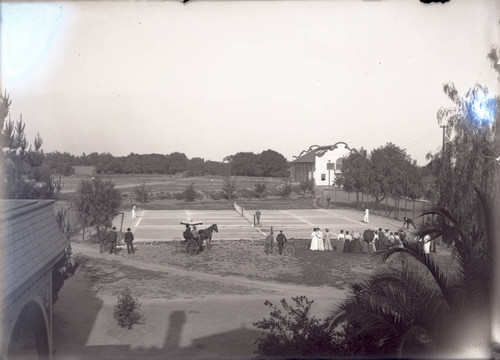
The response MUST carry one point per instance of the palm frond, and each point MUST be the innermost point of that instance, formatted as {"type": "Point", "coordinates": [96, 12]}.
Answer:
{"type": "Point", "coordinates": [415, 251]}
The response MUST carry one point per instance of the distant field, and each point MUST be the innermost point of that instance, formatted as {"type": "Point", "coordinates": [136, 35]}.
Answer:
{"type": "Point", "coordinates": [175, 184]}
{"type": "Point", "coordinates": [169, 183]}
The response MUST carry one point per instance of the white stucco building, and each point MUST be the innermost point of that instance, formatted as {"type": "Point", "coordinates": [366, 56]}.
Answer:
{"type": "Point", "coordinates": [321, 163]}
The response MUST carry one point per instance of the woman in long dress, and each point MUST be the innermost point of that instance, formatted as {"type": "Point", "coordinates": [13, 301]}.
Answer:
{"type": "Point", "coordinates": [314, 240]}
{"type": "Point", "coordinates": [340, 241]}
{"type": "Point", "coordinates": [133, 212]}
{"type": "Point", "coordinates": [356, 243]}
{"type": "Point", "coordinates": [347, 243]}
{"type": "Point", "coordinates": [319, 235]}
{"type": "Point", "coordinates": [328, 244]}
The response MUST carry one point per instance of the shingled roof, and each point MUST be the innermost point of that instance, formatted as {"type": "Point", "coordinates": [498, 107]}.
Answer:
{"type": "Point", "coordinates": [30, 243]}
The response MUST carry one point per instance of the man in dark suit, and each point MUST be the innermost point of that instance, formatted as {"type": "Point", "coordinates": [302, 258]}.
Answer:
{"type": "Point", "coordinates": [281, 240]}
{"type": "Point", "coordinates": [129, 239]}
{"type": "Point", "coordinates": [113, 238]}
{"type": "Point", "coordinates": [407, 221]}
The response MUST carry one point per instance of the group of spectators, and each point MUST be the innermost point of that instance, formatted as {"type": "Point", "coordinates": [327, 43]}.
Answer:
{"type": "Point", "coordinates": [356, 242]}
{"type": "Point", "coordinates": [109, 240]}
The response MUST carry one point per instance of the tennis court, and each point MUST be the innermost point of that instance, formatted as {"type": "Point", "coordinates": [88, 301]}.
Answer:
{"type": "Point", "coordinates": [164, 225]}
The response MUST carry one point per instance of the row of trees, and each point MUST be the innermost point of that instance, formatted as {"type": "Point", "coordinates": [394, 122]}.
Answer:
{"type": "Point", "coordinates": [386, 172]}
{"type": "Point", "coordinates": [268, 163]}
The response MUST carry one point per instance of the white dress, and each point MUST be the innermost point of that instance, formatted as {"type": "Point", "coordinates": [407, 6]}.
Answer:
{"type": "Point", "coordinates": [427, 244]}
{"type": "Point", "coordinates": [321, 246]}
{"type": "Point", "coordinates": [133, 213]}
{"type": "Point", "coordinates": [314, 241]}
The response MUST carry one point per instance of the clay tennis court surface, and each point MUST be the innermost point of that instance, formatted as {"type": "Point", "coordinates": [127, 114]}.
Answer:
{"type": "Point", "coordinates": [164, 225]}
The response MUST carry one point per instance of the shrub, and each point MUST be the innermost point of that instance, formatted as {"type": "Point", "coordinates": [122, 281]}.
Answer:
{"type": "Point", "coordinates": [127, 309]}
{"type": "Point", "coordinates": [259, 189]}
{"type": "Point", "coordinates": [295, 333]}
{"type": "Point", "coordinates": [229, 188]}
{"type": "Point", "coordinates": [285, 188]}
{"type": "Point", "coordinates": [190, 193]}
{"type": "Point", "coordinates": [179, 195]}
{"type": "Point", "coordinates": [247, 193]}
{"type": "Point", "coordinates": [214, 195]}
{"type": "Point", "coordinates": [162, 195]}
{"type": "Point", "coordinates": [62, 270]}
{"type": "Point", "coordinates": [64, 223]}
{"type": "Point", "coordinates": [307, 185]}
{"type": "Point", "coordinates": [143, 193]}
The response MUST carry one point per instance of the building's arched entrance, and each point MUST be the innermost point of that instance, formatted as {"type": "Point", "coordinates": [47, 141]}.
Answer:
{"type": "Point", "coordinates": [29, 338]}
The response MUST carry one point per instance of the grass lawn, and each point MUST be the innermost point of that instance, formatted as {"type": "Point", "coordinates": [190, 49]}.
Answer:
{"type": "Point", "coordinates": [246, 259]}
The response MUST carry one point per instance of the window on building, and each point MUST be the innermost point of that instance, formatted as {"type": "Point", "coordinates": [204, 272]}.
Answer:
{"type": "Point", "coordinates": [323, 177]}
{"type": "Point", "coordinates": [338, 164]}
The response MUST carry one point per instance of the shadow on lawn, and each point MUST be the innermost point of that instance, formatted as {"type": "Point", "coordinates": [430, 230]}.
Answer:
{"type": "Point", "coordinates": [76, 313]}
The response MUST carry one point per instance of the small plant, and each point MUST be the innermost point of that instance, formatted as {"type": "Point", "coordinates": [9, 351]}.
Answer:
{"type": "Point", "coordinates": [127, 309]}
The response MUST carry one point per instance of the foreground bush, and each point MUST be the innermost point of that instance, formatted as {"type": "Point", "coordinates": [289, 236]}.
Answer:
{"type": "Point", "coordinates": [293, 332]}
{"type": "Point", "coordinates": [127, 309]}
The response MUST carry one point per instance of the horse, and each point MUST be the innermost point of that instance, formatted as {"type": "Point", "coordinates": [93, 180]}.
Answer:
{"type": "Point", "coordinates": [206, 234]}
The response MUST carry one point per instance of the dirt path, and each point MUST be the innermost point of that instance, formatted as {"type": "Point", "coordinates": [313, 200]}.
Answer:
{"type": "Point", "coordinates": [259, 286]}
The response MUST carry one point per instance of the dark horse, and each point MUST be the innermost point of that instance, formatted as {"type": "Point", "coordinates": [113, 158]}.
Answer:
{"type": "Point", "coordinates": [206, 234]}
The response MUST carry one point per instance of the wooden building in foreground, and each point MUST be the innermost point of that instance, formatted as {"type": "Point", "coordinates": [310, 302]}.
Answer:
{"type": "Point", "coordinates": [31, 244]}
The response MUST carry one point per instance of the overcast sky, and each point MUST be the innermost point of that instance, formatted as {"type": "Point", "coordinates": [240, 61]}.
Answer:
{"type": "Point", "coordinates": [213, 78]}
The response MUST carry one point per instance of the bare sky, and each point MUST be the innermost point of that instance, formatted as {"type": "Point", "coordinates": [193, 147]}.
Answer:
{"type": "Point", "coordinates": [213, 78]}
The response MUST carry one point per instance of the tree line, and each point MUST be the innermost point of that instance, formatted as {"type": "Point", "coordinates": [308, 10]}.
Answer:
{"type": "Point", "coordinates": [268, 163]}
{"type": "Point", "coordinates": [387, 171]}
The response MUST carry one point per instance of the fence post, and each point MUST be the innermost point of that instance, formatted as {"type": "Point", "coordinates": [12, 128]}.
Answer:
{"type": "Point", "coordinates": [423, 210]}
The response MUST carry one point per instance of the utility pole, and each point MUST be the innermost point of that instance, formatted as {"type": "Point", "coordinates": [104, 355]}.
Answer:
{"type": "Point", "coordinates": [442, 148]}
{"type": "Point", "coordinates": [433, 244]}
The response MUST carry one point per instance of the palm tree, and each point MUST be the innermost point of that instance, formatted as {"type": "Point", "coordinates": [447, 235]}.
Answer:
{"type": "Point", "coordinates": [417, 307]}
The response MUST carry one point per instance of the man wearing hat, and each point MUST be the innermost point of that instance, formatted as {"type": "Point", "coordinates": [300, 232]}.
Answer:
{"type": "Point", "coordinates": [113, 237]}
{"type": "Point", "coordinates": [281, 239]}
{"type": "Point", "coordinates": [129, 238]}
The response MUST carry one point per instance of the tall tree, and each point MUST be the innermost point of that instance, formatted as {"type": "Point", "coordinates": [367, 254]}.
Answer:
{"type": "Point", "coordinates": [246, 164]}
{"type": "Point", "coordinates": [355, 172]}
{"type": "Point", "coordinates": [273, 164]}
{"type": "Point", "coordinates": [387, 172]}
{"type": "Point", "coordinates": [97, 203]}
{"type": "Point", "coordinates": [23, 174]}
{"type": "Point", "coordinates": [466, 162]}
{"type": "Point", "coordinates": [393, 174]}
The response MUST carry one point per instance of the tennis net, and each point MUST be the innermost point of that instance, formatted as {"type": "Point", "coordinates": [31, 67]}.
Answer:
{"type": "Point", "coordinates": [241, 210]}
